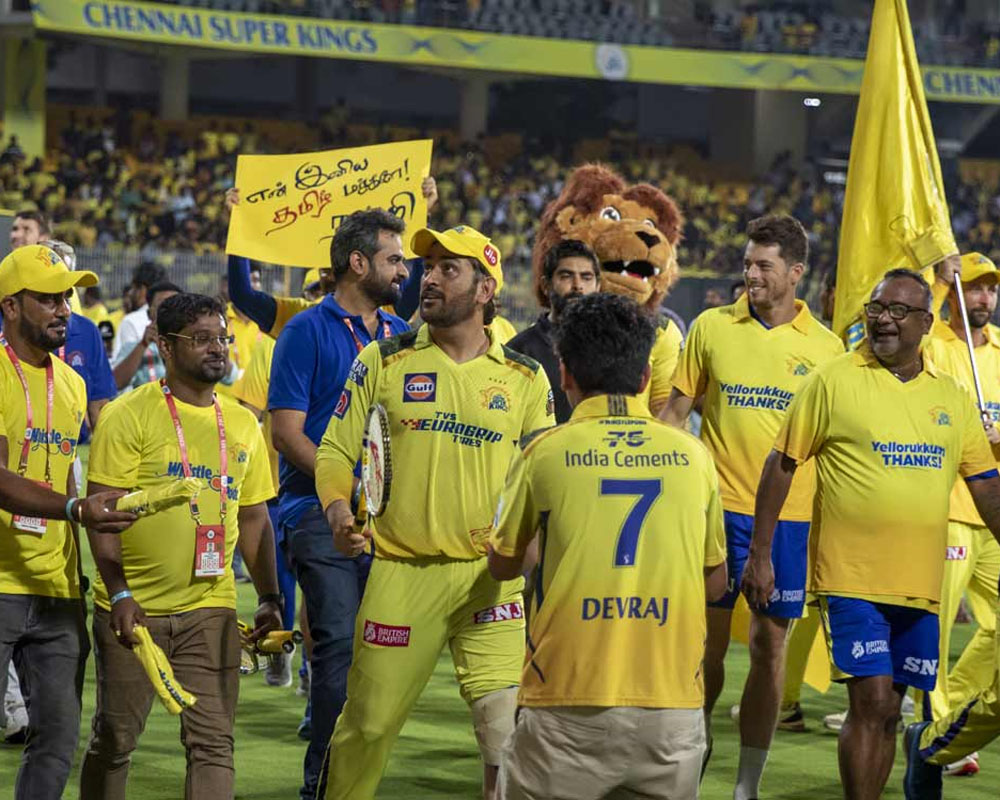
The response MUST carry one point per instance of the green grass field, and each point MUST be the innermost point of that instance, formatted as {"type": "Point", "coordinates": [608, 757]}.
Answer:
{"type": "Point", "coordinates": [436, 756]}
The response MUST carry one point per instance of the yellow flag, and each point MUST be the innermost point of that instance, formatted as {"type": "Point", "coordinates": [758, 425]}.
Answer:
{"type": "Point", "coordinates": [895, 213]}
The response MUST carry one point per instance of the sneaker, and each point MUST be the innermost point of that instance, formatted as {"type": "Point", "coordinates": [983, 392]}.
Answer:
{"type": "Point", "coordinates": [922, 781]}
{"type": "Point", "coordinates": [834, 722]}
{"type": "Point", "coordinates": [15, 719]}
{"type": "Point", "coordinates": [790, 719]}
{"type": "Point", "coordinates": [909, 708]}
{"type": "Point", "coordinates": [279, 670]}
{"type": "Point", "coordinates": [964, 767]}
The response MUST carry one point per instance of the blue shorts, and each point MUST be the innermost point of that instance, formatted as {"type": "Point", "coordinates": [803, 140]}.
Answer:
{"type": "Point", "coordinates": [866, 639]}
{"type": "Point", "coordinates": [789, 554]}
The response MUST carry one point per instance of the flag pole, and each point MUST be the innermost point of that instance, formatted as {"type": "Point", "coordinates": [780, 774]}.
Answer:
{"type": "Point", "coordinates": [968, 342]}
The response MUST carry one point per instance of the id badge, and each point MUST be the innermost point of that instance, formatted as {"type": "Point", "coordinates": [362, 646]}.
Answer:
{"type": "Point", "coordinates": [35, 525]}
{"type": "Point", "coordinates": [209, 551]}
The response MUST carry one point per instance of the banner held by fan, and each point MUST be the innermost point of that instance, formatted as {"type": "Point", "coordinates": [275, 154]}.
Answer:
{"type": "Point", "coordinates": [895, 212]}
{"type": "Point", "coordinates": [291, 205]}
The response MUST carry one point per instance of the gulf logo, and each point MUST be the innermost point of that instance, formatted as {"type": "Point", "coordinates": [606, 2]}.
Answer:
{"type": "Point", "coordinates": [419, 387]}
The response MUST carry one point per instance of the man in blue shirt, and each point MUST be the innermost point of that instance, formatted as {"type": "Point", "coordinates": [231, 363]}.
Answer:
{"type": "Point", "coordinates": [311, 361]}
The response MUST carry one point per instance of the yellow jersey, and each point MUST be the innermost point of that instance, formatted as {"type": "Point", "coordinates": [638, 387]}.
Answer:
{"type": "Point", "coordinates": [748, 374]}
{"type": "Point", "coordinates": [135, 447]}
{"type": "Point", "coordinates": [950, 354]}
{"type": "Point", "coordinates": [97, 313]}
{"type": "Point", "coordinates": [288, 307]}
{"type": "Point", "coordinates": [252, 389]}
{"type": "Point", "coordinates": [503, 331]}
{"type": "Point", "coordinates": [663, 358]}
{"type": "Point", "coordinates": [887, 454]}
{"type": "Point", "coordinates": [43, 564]}
{"type": "Point", "coordinates": [629, 516]}
{"type": "Point", "coordinates": [454, 429]}
{"type": "Point", "coordinates": [246, 337]}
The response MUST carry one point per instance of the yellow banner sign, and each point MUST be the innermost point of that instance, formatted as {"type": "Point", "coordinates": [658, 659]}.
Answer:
{"type": "Point", "coordinates": [291, 205]}
{"type": "Point", "coordinates": [531, 55]}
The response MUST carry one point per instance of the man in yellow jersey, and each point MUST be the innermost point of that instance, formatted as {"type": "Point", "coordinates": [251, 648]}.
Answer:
{"type": "Point", "coordinates": [972, 557]}
{"type": "Point", "coordinates": [889, 433]}
{"type": "Point", "coordinates": [42, 618]}
{"type": "Point", "coordinates": [631, 543]}
{"type": "Point", "coordinates": [458, 402]}
{"type": "Point", "coordinates": [747, 361]}
{"type": "Point", "coordinates": [172, 573]}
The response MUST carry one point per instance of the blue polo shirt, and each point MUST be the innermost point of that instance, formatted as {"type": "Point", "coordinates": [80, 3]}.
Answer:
{"type": "Point", "coordinates": [309, 369]}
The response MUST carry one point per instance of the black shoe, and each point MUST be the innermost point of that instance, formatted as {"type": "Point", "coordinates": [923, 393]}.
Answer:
{"type": "Point", "coordinates": [922, 781]}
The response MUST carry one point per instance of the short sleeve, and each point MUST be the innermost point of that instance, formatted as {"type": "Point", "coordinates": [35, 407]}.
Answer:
{"type": "Point", "coordinates": [715, 532]}
{"type": "Point", "coordinates": [116, 449]}
{"type": "Point", "coordinates": [807, 422]}
{"type": "Point", "coordinates": [541, 406]}
{"type": "Point", "coordinates": [977, 460]}
{"type": "Point", "coordinates": [516, 517]}
{"type": "Point", "coordinates": [257, 484]}
{"type": "Point", "coordinates": [691, 376]}
{"type": "Point", "coordinates": [252, 388]}
{"type": "Point", "coordinates": [292, 369]}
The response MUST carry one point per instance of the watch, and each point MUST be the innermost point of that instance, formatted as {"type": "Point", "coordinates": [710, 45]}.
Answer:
{"type": "Point", "coordinates": [271, 597]}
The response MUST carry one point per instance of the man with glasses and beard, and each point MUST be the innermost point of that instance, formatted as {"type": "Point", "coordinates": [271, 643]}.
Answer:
{"type": "Point", "coordinates": [458, 402]}
{"type": "Point", "coordinates": [889, 434]}
{"type": "Point", "coordinates": [570, 271]}
{"type": "Point", "coordinates": [309, 370]}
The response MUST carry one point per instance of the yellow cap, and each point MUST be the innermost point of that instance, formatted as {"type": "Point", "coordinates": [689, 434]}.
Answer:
{"type": "Point", "coordinates": [312, 276]}
{"type": "Point", "coordinates": [461, 241]}
{"type": "Point", "coordinates": [976, 265]}
{"type": "Point", "coordinates": [39, 269]}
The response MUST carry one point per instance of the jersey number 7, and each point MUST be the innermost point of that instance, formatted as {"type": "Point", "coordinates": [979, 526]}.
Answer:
{"type": "Point", "coordinates": [628, 538]}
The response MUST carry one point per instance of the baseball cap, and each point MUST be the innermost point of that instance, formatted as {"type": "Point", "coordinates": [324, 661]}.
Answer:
{"type": "Point", "coordinates": [312, 277]}
{"type": "Point", "coordinates": [976, 265]}
{"type": "Point", "coordinates": [39, 269]}
{"type": "Point", "coordinates": [462, 241]}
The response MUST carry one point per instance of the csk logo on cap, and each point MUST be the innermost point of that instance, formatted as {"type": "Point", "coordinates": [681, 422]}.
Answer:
{"type": "Point", "coordinates": [48, 257]}
{"type": "Point", "coordinates": [419, 387]}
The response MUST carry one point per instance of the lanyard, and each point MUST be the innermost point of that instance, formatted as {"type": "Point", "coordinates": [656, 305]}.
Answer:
{"type": "Point", "coordinates": [186, 465]}
{"type": "Point", "coordinates": [386, 332]}
{"type": "Point", "coordinates": [50, 390]}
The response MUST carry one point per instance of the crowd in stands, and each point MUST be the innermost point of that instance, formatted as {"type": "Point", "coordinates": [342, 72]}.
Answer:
{"type": "Point", "coordinates": [820, 28]}
{"type": "Point", "coordinates": [108, 188]}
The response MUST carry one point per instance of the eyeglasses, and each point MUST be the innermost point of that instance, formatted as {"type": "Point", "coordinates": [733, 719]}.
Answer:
{"type": "Point", "coordinates": [201, 340]}
{"type": "Point", "coordinates": [897, 311]}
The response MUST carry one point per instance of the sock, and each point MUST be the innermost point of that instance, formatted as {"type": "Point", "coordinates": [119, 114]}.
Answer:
{"type": "Point", "coordinates": [752, 761]}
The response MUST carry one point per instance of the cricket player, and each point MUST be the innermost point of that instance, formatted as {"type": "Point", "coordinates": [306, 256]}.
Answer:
{"type": "Point", "coordinates": [631, 542]}
{"type": "Point", "coordinates": [889, 433]}
{"type": "Point", "coordinates": [746, 361]}
{"type": "Point", "coordinates": [458, 402]}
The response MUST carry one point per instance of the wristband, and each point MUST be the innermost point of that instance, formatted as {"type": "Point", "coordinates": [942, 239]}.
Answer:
{"type": "Point", "coordinates": [271, 597]}
{"type": "Point", "coordinates": [120, 596]}
{"type": "Point", "coordinates": [70, 505]}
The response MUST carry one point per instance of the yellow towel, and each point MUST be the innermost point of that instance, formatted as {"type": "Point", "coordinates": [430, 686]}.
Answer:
{"type": "Point", "coordinates": [173, 696]}
{"type": "Point", "coordinates": [148, 501]}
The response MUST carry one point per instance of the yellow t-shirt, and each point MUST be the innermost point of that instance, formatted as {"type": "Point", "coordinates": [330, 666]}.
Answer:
{"type": "Point", "coordinates": [663, 359]}
{"type": "Point", "coordinates": [288, 307]}
{"type": "Point", "coordinates": [252, 389]}
{"type": "Point", "coordinates": [454, 429]}
{"type": "Point", "coordinates": [748, 374]}
{"type": "Point", "coordinates": [950, 354]}
{"type": "Point", "coordinates": [887, 454]}
{"type": "Point", "coordinates": [503, 331]}
{"type": "Point", "coordinates": [30, 563]}
{"type": "Point", "coordinates": [97, 313]}
{"type": "Point", "coordinates": [247, 335]}
{"type": "Point", "coordinates": [135, 447]}
{"type": "Point", "coordinates": [629, 516]}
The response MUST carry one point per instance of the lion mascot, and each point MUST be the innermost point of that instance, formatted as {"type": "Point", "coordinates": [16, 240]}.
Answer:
{"type": "Point", "coordinates": [634, 230]}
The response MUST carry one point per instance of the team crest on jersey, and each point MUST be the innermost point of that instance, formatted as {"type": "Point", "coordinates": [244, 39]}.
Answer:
{"type": "Point", "coordinates": [940, 416]}
{"type": "Point", "coordinates": [75, 359]}
{"type": "Point", "coordinates": [343, 404]}
{"type": "Point", "coordinates": [419, 387]}
{"type": "Point", "coordinates": [798, 367]}
{"type": "Point", "coordinates": [241, 454]}
{"type": "Point", "coordinates": [495, 398]}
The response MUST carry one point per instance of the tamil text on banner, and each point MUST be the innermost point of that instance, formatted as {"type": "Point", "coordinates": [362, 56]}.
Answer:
{"type": "Point", "coordinates": [895, 213]}
{"type": "Point", "coordinates": [291, 205]}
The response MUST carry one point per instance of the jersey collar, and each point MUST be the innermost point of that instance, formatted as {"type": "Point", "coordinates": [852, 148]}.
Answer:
{"type": "Point", "coordinates": [333, 306]}
{"type": "Point", "coordinates": [611, 405]}
{"type": "Point", "coordinates": [864, 355]}
{"type": "Point", "coordinates": [942, 330]}
{"type": "Point", "coordinates": [742, 313]}
{"type": "Point", "coordinates": [495, 350]}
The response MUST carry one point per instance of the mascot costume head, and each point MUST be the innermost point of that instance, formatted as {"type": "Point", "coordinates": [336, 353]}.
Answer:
{"type": "Point", "coordinates": [634, 230]}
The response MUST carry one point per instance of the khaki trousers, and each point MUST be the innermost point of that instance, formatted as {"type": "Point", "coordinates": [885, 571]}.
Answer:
{"type": "Point", "coordinates": [587, 753]}
{"type": "Point", "coordinates": [203, 648]}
